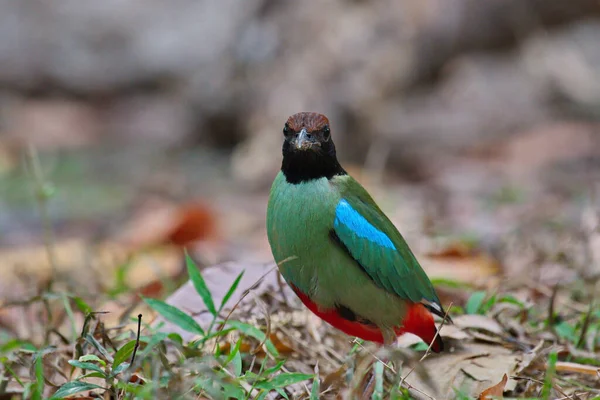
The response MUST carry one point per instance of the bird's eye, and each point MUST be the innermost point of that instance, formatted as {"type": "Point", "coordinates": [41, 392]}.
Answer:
{"type": "Point", "coordinates": [326, 132]}
{"type": "Point", "coordinates": [286, 130]}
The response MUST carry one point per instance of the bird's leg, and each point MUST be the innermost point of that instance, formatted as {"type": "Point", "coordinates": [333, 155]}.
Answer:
{"type": "Point", "coordinates": [369, 380]}
{"type": "Point", "coordinates": [368, 384]}
{"type": "Point", "coordinates": [389, 336]}
{"type": "Point", "coordinates": [365, 368]}
{"type": "Point", "coordinates": [282, 285]}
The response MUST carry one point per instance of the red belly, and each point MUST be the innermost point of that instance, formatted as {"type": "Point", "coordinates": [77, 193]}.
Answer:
{"type": "Point", "coordinates": [418, 321]}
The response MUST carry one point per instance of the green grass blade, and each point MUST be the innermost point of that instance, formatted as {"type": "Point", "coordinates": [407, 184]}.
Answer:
{"type": "Point", "coordinates": [256, 333]}
{"type": "Point", "coordinates": [117, 370]}
{"type": "Point", "coordinates": [232, 288]}
{"type": "Point", "coordinates": [237, 364]}
{"type": "Point", "coordinates": [70, 315]}
{"type": "Point", "coordinates": [550, 372]}
{"type": "Point", "coordinates": [82, 305]}
{"type": "Point", "coordinates": [475, 302]}
{"type": "Point", "coordinates": [90, 339]}
{"type": "Point", "coordinates": [233, 352]}
{"type": "Point", "coordinates": [38, 389]}
{"type": "Point", "coordinates": [124, 353]}
{"type": "Point", "coordinates": [200, 284]}
{"type": "Point", "coordinates": [378, 393]}
{"type": "Point", "coordinates": [275, 368]}
{"type": "Point", "coordinates": [92, 357]}
{"type": "Point", "coordinates": [73, 387]}
{"type": "Point", "coordinates": [315, 390]}
{"type": "Point", "coordinates": [86, 365]}
{"type": "Point", "coordinates": [175, 316]}
{"type": "Point", "coordinates": [283, 380]}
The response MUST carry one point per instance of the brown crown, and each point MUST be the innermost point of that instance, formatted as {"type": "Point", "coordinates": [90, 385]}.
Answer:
{"type": "Point", "coordinates": [312, 121]}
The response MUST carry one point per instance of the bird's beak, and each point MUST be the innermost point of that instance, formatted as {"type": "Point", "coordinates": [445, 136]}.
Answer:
{"type": "Point", "coordinates": [302, 141]}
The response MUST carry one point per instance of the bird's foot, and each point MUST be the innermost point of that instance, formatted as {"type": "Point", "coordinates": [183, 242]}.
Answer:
{"type": "Point", "coordinates": [367, 386]}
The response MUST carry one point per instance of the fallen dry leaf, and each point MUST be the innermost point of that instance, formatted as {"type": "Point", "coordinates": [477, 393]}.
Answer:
{"type": "Point", "coordinates": [153, 289]}
{"type": "Point", "coordinates": [158, 223]}
{"type": "Point", "coordinates": [247, 347]}
{"type": "Point", "coordinates": [496, 391]}
{"type": "Point", "coordinates": [195, 221]}
{"type": "Point", "coordinates": [475, 321]}
{"type": "Point", "coordinates": [471, 369]}
{"type": "Point", "coordinates": [565, 366]}
{"type": "Point", "coordinates": [460, 263]}
{"type": "Point", "coordinates": [452, 331]}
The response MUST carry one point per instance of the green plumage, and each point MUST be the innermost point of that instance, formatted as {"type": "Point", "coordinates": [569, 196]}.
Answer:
{"type": "Point", "coordinates": [300, 221]}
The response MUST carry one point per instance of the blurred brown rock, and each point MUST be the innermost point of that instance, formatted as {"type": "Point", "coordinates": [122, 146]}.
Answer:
{"type": "Point", "coordinates": [225, 70]}
{"type": "Point", "coordinates": [50, 124]}
{"type": "Point", "coordinates": [427, 81]}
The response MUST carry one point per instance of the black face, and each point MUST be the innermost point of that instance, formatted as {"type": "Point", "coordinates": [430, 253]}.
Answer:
{"type": "Point", "coordinates": [308, 150]}
{"type": "Point", "coordinates": [304, 139]}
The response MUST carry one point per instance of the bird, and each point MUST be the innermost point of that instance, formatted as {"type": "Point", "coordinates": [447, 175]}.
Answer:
{"type": "Point", "coordinates": [337, 249]}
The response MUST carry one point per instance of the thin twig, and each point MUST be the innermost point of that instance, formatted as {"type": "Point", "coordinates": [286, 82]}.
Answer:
{"type": "Point", "coordinates": [551, 317]}
{"type": "Point", "coordinates": [242, 297]}
{"type": "Point", "coordinates": [388, 366]}
{"type": "Point", "coordinates": [246, 293]}
{"type": "Point", "coordinates": [268, 320]}
{"type": "Point", "coordinates": [585, 327]}
{"type": "Point", "coordinates": [137, 339]}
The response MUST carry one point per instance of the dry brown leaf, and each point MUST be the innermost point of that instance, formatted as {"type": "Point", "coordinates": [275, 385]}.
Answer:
{"type": "Point", "coordinates": [453, 332]}
{"type": "Point", "coordinates": [471, 369]}
{"type": "Point", "coordinates": [153, 289]}
{"type": "Point", "coordinates": [160, 223]}
{"type": "Point", "coordinates": [460, 263]}
{"type": "Point", "coordinates": [280, 345]}
{"type": "Point", "coordinates": [247, 347]}
{"type": "Point", "coordinates": [530, 358]}
{"type": "Point", "coordinates": [496, 391]}
{"type": "Point", "coordinates": [336, 379]}
{"type": "Point", "coordinates": [565, 366]}
{"type": "Point", "coordinates": [195, 221]}
{"type": "Point", "coordinates": [135, 378]}
{"type": "Point", "coordinates": [475, 321]}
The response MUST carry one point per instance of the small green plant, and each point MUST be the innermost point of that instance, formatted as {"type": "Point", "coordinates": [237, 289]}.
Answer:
{"type": "Point", "coordinates": [480, 303]}
{"type": "Point", "coordinates": [205, 370]}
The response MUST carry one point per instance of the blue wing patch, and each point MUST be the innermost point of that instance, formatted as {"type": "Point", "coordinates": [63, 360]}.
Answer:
{"type": "Point", "coordinates": [348, 216]}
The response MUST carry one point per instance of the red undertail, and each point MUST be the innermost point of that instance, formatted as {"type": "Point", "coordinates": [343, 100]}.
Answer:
{"type": "Point", "coordinates": [418, 321]}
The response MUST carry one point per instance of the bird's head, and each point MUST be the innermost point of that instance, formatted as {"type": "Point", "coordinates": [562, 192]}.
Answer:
{"type": "Point", "coordinates": [306, 131]}
{"type": "Point", "coordinates": [308, 150]}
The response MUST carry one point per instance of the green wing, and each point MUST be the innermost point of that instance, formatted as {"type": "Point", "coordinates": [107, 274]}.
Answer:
{"type": "Point", "coordinates": [376, 245]}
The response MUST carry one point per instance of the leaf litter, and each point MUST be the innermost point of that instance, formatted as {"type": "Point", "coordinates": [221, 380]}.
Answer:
{"type": "Point", "coordinates": [522, 313]}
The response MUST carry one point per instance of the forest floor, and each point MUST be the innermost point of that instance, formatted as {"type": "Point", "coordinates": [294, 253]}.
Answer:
{"type": "Point", "coordinates": [515, 257]}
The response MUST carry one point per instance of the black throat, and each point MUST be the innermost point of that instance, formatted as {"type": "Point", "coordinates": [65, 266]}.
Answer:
{"type": "Point", "coordinates": [305, 165]}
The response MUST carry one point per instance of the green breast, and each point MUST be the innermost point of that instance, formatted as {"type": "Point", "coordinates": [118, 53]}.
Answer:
{"type": "Point", "coordinates": [299, 218]}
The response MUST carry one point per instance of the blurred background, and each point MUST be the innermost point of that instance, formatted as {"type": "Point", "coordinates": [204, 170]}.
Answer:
{"type": "Point", "coordinates": [126, 124]}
